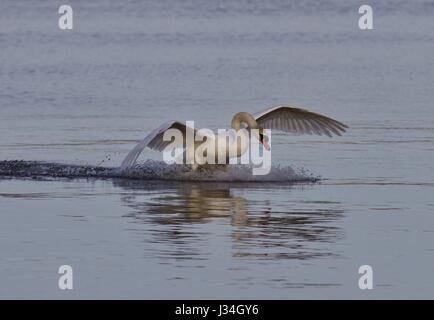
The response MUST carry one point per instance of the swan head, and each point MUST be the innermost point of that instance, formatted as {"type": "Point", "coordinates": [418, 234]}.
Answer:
{"type": "Point", "coordinates": [246, 120]}
{"type": "Point", "coordinates": [263, 139]}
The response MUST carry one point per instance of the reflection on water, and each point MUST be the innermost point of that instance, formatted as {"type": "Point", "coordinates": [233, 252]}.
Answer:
{"type": "Point", "coordinates": [258, 221]}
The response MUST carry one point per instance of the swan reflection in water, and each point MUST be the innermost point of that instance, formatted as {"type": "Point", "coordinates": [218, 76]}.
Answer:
{"type": "Point", "coordinates": [259, 221]}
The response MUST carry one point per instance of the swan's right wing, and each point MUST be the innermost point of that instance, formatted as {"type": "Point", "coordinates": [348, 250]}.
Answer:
{"type": "Point", "coordinates": [155, 141]}
{"type": "Point", "coordinates": [299, 121]}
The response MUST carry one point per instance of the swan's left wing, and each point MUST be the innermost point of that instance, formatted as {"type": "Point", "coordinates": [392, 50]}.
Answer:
{"type": "Point", "coordinates": [155, 140]}
{"type": "Point", "coordinates": [296, 120]}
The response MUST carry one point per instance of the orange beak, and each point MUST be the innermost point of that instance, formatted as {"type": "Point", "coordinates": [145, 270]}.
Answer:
{"type": "Point", "coordinates": [266, 145]}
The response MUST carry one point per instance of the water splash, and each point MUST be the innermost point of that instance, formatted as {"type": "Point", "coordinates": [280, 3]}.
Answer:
{"type": "Point", "coordinates": [152, 170]}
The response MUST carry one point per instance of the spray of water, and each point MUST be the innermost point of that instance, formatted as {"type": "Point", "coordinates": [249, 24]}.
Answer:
{"type": "Point", "coordinates": [153, 170]}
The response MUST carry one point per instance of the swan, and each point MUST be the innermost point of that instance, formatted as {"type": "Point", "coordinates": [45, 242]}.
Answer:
{"type": "Point", "coordinates": [283, 118]}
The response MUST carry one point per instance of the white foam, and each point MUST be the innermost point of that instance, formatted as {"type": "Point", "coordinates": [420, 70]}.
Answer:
{"type": "Point", "coordinates": [152, 169]}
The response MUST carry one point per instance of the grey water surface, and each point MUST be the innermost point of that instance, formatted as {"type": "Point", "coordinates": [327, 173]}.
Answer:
{"type": "Point", "coordinates": [82, 98]}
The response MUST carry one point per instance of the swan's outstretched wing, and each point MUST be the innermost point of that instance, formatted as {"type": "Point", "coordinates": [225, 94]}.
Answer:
{"type": "Point", "coordinates": [155, 141]}
{"type": "Point", "coordinates": [290, 119]}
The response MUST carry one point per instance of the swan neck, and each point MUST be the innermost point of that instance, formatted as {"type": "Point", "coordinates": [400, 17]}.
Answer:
{"type": "Point", "coordinates": [245, 117]}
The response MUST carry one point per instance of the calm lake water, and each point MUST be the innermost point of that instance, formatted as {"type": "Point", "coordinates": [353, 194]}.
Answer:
{"type": "Point", "coordinates": [84, 97]}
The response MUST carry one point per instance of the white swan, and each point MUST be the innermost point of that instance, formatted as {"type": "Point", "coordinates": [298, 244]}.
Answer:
{"type": "Point", "coordinates": [283, 118]}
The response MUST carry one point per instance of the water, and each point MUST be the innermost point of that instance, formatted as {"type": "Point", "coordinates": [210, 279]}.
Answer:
{"type": "Point", "coordinates": [82, 99]}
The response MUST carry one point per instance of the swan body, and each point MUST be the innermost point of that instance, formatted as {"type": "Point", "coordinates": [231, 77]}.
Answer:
{"type": "Point", "coordinates": [282, 118]}
{"type": "Point", "coordinates": [223, 146]}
